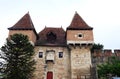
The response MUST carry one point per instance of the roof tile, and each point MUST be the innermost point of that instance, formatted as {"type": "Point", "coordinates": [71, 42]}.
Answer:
{"type": "Point", "coordinates": [78, 23]}
{"type": "Point", "coordinates": [24, 23]}
{"type": "Point", "coordinates": [58, 32]}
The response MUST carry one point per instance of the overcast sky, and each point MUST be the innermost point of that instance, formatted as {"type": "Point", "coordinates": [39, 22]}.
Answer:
{"type": "Point", "coordinates": [102, 15]}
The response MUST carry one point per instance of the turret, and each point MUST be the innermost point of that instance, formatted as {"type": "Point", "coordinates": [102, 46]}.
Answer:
{"type": "Point", "coordinates": [24, 26]}
{"type": "Point", "coordinates": [79, 40]}
{"type": "Point", "coordinates": [79, 32]}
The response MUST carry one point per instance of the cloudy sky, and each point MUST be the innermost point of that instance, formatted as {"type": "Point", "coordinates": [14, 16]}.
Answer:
{"type": "Point", "coordinates": [102, 15]}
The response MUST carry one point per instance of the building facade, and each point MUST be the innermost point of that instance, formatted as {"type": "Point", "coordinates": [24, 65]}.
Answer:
{"type": "Point", "coordinates": [59, 54]}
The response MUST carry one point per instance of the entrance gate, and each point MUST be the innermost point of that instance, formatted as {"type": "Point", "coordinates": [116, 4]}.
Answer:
{"type": "Point", "coordinates": [49, 75]}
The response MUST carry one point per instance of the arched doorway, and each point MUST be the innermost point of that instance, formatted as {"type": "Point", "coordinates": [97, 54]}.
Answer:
{"type": "Point", "coordinates": [49, 75]}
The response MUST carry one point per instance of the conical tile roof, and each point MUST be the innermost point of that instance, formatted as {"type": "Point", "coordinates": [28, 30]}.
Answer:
{"type": "Point", "coordinates": [78, 23]}
{"type": "Point", "coordinates": [25, 23]}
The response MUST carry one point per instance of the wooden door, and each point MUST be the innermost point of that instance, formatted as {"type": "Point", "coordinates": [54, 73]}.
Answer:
{"type": "Point", "coordinates": [49, 75]}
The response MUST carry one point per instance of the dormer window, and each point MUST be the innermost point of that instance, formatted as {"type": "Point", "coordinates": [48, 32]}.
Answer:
{"type": "Point", "coordinates": [51, 37]}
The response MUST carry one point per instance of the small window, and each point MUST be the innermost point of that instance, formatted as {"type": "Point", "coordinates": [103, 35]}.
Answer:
{"type": "Point", "coordinates": [40, 54]}
{"type": "Point", "coordinates": [60, 54]}
{"type": "Point", "coordinates": [80, 35]}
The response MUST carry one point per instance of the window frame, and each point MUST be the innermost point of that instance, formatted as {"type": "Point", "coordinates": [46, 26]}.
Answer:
{"type": "Point", "coordinates": [40, 54]}
{"type": "Point", "coordinates": [60, 54]}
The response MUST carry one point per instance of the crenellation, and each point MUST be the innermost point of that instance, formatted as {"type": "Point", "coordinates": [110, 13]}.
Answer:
{"type": "Point", "coordinates": [117, 52]}
{"type": "Point", "coordinates": [107, 52]}
{"type": "Point", "coordinates": [101, 56]}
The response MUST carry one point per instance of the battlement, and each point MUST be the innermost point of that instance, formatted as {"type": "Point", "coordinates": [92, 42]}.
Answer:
{"type": "Point", "coordinates": [117, 52]}
{"type": "Point", "coordinates": [101, 56]}
{"type": "Point", "coordinates": [106, 52]}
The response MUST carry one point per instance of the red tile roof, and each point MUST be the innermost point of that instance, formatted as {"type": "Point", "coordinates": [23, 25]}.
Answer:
{"type": "Point", "coordinates": [58, 32]}
{"type": "Point", "coordinates": [78, 23]}
{"type": "Point", "coordinates": [24, 23]}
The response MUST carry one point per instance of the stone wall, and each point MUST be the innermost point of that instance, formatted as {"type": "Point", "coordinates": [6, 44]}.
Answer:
{"type": "Point", "coordinates": [101, 56]}
{"type": "Point", "coordinates": [72, 35]}
{"type": "Point", "coordinates": [60, 67]}
{"type": "Point", "coordinates": [80, 62]}
{"type": "Point", "coordinates": [29, 33]}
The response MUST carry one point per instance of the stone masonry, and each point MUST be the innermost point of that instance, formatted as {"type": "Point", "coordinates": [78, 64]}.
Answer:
{"type": "Point", "coordinates": [60, 54]}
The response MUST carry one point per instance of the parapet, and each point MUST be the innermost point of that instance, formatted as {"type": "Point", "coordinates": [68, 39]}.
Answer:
{"type": "Point", "coordinates": [117, 52]}
{"type": "Point", "coordinates": [107, 52]}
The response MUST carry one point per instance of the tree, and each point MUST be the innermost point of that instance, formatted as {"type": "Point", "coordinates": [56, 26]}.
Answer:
{"type": "Point", "coordinates": [18, 53]}
{"type": "Point", "coordinates": [96, 47]}
{"type": "Point", "coordinates": [111, 67]}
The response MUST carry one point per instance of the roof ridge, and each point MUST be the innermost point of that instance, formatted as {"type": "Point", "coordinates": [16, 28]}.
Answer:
{"type": "Point", "coordinates": [52, 27]}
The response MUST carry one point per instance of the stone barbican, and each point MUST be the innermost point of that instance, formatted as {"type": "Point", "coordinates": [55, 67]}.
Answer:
{"type": "Point", "coordinates": [59, 54]}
